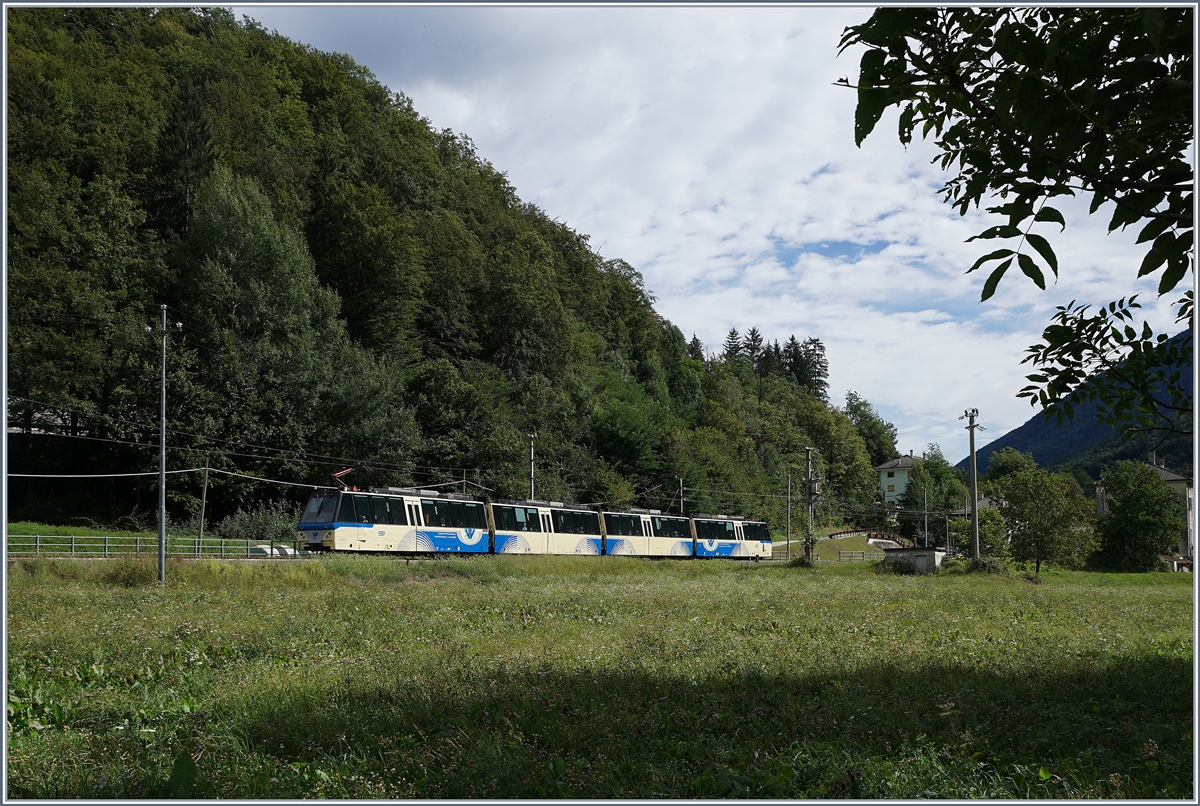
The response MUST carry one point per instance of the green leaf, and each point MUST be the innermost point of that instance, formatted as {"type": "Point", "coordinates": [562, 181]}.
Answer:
{"type": "Point", "coordinates": [989, 288]}
{"type": "Point", "coordinates": [1031, 270]}
{"type": "Point", "coordinates": [1000, 231]}
{"type": "Point", "coordinates": [1158, 254]}
{"type": "Point", "coordinates": [871, 100]}
{"type": "Point", "coordinates": [1153, 20]}
{"type": "Point", "coordinates": [1172, 276]}
{"type": "Point", "coordinates": [1044, 774]}
{"type": "Point", "coordinates": [1043, 246]}
{"type": "Point", "coordinates": [1156, 227]}
{"type": "Point", "coordinates": [1051, 214]}
{"type": "Point", "coordinates": [999, 253]}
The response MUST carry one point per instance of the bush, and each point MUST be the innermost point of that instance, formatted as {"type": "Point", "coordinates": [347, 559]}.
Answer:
{"type": "Point", "coordinates": [274, 521]}
{"type": "Point", "coordinates": [988, 565]}
{"type": "Point", "coordinates": [801, 562]}
{"type": "Point", "coordinates": [885, 567]}
{"type": "Point", "coordinates": [952, 565]}
{"type": "Point", "coordinates": [131, 572]}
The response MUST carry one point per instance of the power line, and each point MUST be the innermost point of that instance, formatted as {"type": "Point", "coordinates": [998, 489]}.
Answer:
{"type": "Point", "coordinates": [93, 475]}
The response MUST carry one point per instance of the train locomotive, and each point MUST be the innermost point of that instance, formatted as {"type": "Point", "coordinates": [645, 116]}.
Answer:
{"type": "Point", "coordinates": [409, 521]}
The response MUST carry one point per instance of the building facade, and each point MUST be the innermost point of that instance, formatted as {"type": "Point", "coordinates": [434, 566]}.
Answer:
{"type": "Point", "coordinates": [893, 478]}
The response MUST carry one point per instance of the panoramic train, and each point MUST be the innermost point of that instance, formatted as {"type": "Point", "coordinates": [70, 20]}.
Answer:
{"type": "Point", "coordinates": [414, 521]}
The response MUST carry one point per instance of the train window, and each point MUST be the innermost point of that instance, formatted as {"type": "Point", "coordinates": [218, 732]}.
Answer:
{"type": "Point", "coordinates": [714, 530]}
{"type": "Point", "coordinates": [379, 509]}
{"type": "Point", "coordinates": [576, 523]}
{"type": "Point", "coordinates": [755, 531]}
{"type": "Point", "coordinates": [362, 508]}
{"type": "Point", "coordinates": [396, 510]}
{"type": "Point", "coordinates": [429, 512]}
{"type": "Point", "coordinates": [458, 516]}
{"type": "Point", "coordinates": [645, 528]}
{"type": "Point", "coordinates": [475, 519]}
{"type": "Point", "coordinates": [506, 517]}
{"type": "Point", "coordinates": [346, 512]}
{"type": "Point", "coordinates": [622, 525]}
{"type": "Point", "coordinates": [670, 527]}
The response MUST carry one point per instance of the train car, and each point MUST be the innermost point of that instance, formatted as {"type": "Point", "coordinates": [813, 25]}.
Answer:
{"type": "Point", "coordinates": [726, 536]}
{"type": "Point", "coordinates": [646, 533]}
{"type": "Point", "coordinates": [541, 527]}
{"type": "Point", "coordinates": [389, 519]}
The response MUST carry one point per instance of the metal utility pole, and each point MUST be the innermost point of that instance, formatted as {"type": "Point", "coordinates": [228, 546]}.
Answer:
{"type": "Point", "coordinates": [969, 415]}
{"type": "Point", "coordinates": [925, 510]}
{"type": "Point", "coordinates": [680, 495]}
{"type": "Point", "coordinates": [203, 500]}
{"type": "Point", "coordinates": [789, 517]}
{"type": "Point", "coordinates": [808, 493]}
{"type": "Point", "coordinates": [532, 437]}
{"type": "Point", "coordinates": [162, 449]}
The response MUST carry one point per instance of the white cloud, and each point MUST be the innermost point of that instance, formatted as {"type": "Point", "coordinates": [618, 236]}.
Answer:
{"type": "Point", "coordinates": [709, 148]}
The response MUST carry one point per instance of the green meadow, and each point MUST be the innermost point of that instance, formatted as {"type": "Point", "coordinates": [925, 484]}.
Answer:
{"type": "Point", "coordinates": [570, 677]}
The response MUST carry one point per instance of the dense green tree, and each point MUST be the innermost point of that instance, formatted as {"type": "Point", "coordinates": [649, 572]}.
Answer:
{"type": "Point", "coordinates": [933, 486]}
{"type": "Point", "coordinates": [1144, 519]}
{"type": "Point", "coordinates": [356, 288]}
{"type": "Point", "coordinates": [733, 345]}
{"type": "Point", "coordinates": [1048, 518]}
{"type": "Point", "coordinates": [993, 533]}
{"type": "Point", "coordinates": [878, 434]}
{"type": "Point", "coordinates": [1038, 103]}
{"type": "Point", "coordinates": [1008, 460]}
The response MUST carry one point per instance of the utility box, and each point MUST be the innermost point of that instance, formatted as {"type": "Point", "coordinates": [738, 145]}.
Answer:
{"type": "Point", "coordinates": [915, 560]}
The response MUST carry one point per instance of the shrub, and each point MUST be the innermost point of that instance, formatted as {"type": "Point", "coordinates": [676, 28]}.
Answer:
{"type": "Point", "coordinates": [131, 572]}
{"type": "Point", "coordinates": [274, 521]}
{"type": "Point", "coordinates": [802, 561]}
{"type": "Point", "coordinates": [952, 565]}
{"type": "Point", "coordinates": [988, 565]}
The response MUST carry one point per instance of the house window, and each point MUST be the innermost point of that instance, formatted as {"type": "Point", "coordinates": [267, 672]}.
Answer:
{"type": "Point", "coordinates": [891, 474]}
{"type": "Point", "coordinates": [891, 488]}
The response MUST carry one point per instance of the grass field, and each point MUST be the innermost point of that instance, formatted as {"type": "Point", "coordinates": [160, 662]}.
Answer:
{"type": "Point", "coordinates": [593, 678]}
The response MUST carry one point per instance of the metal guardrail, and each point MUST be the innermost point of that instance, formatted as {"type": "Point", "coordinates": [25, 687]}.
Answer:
{"type": "Point", "coordinates": [120, 546]}
{"type": "Point", "coordinates": [859, 556]}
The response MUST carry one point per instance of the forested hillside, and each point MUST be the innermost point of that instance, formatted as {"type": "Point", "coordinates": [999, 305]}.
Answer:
{"type": "Point", "coordinates": [355, 289]}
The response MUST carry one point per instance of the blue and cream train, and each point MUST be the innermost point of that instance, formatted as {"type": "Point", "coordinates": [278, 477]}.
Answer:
{"type": "Point", "coordinates": [412, 521]}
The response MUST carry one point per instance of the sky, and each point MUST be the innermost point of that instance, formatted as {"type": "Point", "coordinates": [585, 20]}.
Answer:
{"type": "Point", "coordinates": [710, 148]}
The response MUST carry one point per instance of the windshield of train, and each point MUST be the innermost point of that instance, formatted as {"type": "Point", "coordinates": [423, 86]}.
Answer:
{"type": "Point", "coordinates": [322, 505]}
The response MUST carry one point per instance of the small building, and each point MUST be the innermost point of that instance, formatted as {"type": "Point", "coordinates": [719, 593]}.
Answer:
{"type": "Point", "coordinates": [917, 560]}
{"type": "Point", "coordinates": [893, 478]}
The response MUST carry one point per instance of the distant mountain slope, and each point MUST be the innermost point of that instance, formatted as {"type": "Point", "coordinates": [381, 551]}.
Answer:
{"type": "Point", "coordinates": [1046, 440]}
{"type": "Point", "coordinates": [1080, 442]}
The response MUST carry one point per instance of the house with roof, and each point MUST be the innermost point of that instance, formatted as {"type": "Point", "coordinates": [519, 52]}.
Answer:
{"type": "Point", "coordinates": [1182, 485]}
{"type": "Point", "coordinates": [893, 478]}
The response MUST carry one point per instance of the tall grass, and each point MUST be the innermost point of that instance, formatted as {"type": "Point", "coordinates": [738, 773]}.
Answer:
{"type": "Point", "coordinates": [363, 677]}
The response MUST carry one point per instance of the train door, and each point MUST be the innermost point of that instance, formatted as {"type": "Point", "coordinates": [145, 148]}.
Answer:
{"type": "Point", "coordinates": [646, 533]}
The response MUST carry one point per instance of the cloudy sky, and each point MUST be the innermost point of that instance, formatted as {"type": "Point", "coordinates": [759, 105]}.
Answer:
{"type": "Point", "coordinates": [709, 148]}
